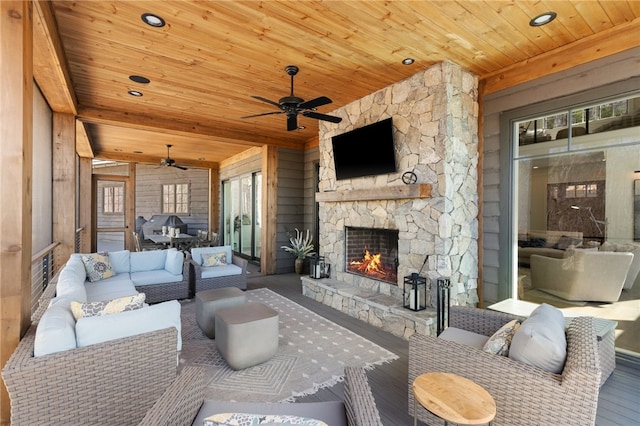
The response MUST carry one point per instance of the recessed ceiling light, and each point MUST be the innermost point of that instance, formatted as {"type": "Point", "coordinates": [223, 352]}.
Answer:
{"type": "Point", "coordinates": [153, 20]}
{"type": "Point", "coordinates": [542, 19]}
{"type": "Point", "coordinates": [201, 158]}
{"type": "Point", "coordinates": [139, 79]}
{"type": "Point", "coordinates": [117, 149]}
{"type": "Point", "coordinates": [408, 61]}
{"type": "Point", "coordinates": [134, 93]}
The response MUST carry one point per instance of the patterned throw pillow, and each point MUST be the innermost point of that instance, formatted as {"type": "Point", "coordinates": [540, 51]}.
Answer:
{"type": "Point", "coordinates": [501, 340]}
{"type": "Point", "coordinates": [215, 259]}
{"type": "Point", "coordinates": [244, 419]}
{"type": "Point", "coordinates": [97, 266]}
{"type": "Point", "coordinates": [106, 307]}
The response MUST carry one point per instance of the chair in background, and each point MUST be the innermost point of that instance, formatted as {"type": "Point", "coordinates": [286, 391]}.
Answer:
{"type": "Point", "coordinates": [144, 246]}
{"type": "Point", "coordinates": [207, 239]}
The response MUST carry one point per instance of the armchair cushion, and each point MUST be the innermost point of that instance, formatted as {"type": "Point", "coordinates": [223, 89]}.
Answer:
{"type": "Point", "coordinates": [120, 261]}
{"type": "Point", "coordinates": [464, 337]}
{"type": "Point", "coordinates": [148, 260]}
{"type": "Point", "coordinates": [221, 271]}
{"type": "Point", "coordinates": [174, 261]}
{"type": "Point", "coordinates": [541, 341]}
{"type": "Point", "coordinates": [196, 252]}
{"type": "Point", "coordinates": [241, 419]}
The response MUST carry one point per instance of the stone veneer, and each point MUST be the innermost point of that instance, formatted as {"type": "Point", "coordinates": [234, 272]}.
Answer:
{"type": "Point", "coordinates": [435, 119]}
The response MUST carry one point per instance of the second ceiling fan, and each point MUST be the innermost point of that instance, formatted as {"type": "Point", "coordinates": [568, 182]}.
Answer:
{"type": "Point", "coordinates": [292, 105]}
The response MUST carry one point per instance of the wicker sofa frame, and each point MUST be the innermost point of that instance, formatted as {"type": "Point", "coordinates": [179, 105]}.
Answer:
{"type": "Point", "coordinates": [524, 395]}
{"type": "Point", "coordinates": [179, 290]}
{"type": "Point", "coordinates": [180, 404]}
{"type": "Point", "coordinates": [110, 383]}
{"type": "Point", "coordinates": [198, 283]}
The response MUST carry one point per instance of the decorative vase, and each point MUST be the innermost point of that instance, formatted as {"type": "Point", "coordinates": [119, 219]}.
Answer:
{"type": "Point", "coordinates": [299, 264]}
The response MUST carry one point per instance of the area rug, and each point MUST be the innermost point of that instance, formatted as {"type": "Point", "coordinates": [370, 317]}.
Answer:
{"type": "Point", "coordinates": [312, 354]}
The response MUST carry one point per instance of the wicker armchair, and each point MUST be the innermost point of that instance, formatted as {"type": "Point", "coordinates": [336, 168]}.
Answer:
{"type": "Point", "coordinates": [199, 283]}
{"type": "Point", "coordinates": [181, 402]}
{"type": "Point", "coordinates": [524, 395]}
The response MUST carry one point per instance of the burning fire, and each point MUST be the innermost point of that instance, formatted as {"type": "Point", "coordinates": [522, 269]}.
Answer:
{"type": "Point", "coordinates": [370, 264]}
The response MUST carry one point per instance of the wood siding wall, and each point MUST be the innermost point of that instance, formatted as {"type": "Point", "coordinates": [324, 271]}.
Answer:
{"type": "Point", "coordinates": [290, 204]}
{"type": "Point", "coordinates": [497, 270]}
{"type": "Point", "coordinates": [311, 159]}
{"type": "Point", "coordinates": [149, 181]}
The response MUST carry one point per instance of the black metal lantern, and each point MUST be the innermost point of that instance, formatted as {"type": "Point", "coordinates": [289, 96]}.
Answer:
{"type": "Point", "coordinates": [317, 267]}
{"type": "Point", "coordinates": [415, 292]}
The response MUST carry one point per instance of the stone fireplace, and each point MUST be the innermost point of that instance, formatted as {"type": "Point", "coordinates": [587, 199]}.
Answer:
{"type": "Point", "coordinates": [435, 120]}
{"type": "Point", "coordinates": [372, 253]}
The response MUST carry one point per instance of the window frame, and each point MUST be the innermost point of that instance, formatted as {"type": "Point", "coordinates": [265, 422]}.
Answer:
{"type": "Point", "coordinates": [171, 206]}
{"type": "Point", "coordinates": [117, 193]}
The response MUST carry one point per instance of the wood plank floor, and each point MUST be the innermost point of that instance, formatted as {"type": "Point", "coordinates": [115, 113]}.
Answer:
{"type": "Point", "coordinates": [619, 402]}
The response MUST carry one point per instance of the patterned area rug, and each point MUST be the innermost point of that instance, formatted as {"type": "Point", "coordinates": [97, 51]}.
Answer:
{"type": "Point", "coordinates": [312, 354]}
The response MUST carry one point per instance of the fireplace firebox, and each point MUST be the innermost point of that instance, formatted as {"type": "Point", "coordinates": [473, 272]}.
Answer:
{"type": "Point", "coordinates": [372, 253]}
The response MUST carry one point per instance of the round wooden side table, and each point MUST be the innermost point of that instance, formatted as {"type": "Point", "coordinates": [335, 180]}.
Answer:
{"type": "Point", "coordinates": [453, 399]}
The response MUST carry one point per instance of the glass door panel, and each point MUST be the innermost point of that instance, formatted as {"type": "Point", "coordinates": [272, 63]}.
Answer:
{"type": "Point", "coordinates": [257, 217]}
{"type": "Point", "coordinates": [246, 218]}
{"type": "Point", "coordinates": [110, 214]}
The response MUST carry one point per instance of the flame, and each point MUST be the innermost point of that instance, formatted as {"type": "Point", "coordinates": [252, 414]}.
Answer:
{"type": "Point", "coordinates": [370, 264]}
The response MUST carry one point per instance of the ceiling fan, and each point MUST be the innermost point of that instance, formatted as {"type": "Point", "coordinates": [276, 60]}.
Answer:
{"type": "Point", "coordinates": [292, 105]}
{"type": "Point", "coordinates": [170, 162]}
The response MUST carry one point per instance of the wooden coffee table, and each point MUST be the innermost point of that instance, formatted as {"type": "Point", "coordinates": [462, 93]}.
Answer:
{"type": "Point", "coordinates": [453, 399]}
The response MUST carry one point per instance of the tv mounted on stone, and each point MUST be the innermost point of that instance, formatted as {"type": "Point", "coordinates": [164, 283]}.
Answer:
{"type": "Point", "coordinates": [366, 151]}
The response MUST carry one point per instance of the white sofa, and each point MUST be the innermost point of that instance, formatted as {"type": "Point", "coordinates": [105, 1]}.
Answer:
{"type": "Point", "coordinates": [584, 275]}
{"type": "Point", "coordinates": [58, 330]}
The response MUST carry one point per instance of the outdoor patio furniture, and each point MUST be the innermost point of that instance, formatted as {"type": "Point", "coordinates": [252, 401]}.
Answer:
{"type": "Point", "coordinates": [232, 274]}
{"type": "Point", "coordinates": [142, 245]}
{"type": "Point", "coordinates": [209, 301]}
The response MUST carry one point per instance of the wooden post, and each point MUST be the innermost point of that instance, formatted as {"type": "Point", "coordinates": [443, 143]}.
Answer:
{"type": "Point", "coordinates": [64, 187]}
{"type": "Point", "coordinates": [214, 199]}
{"type": "Point", "coordinates": [84, 213]}
{"type": "Point", "coordinates": [268, 257]}
{"type": "Point", "coordinates": [16, 155]}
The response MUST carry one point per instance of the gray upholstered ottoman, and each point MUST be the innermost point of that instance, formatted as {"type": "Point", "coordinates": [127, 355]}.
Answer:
{"type": "Point", "coordinates": [209, 301]}
{"type": "Point", "coordinates": [247, 335]}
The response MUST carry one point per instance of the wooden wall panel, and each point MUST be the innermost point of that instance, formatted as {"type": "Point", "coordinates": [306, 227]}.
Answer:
{"type": "Point", "coordinates": [16, 155]}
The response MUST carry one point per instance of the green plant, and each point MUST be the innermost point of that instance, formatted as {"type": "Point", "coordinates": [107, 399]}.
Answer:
{"type": "Point", "coordinates": [300, 247]}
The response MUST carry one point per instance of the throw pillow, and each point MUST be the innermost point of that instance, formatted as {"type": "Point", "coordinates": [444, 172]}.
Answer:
{"type": "Point", "coordinates": [244, 419]}
{"type": "Point", "coordinates": [541, 340]}
{"type": "Point", "coordinates": [97, 267]}
{"type": "Point", "coordinates": [107, 307]}
{"type": "Point", "coordinates": [501, 340]}
{"type": "Point", "coordinates": [215, 259]}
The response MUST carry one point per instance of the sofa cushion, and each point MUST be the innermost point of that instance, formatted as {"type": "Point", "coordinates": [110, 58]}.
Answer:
{"type": "Point", "coordinates": [175, 260]}
{"type": "Point", "coordinates": [111, 288]}
{"type": "Point", "coordinates": [331, 412]}
{"type": "Point", "coordinates": [55, 331]}
{"type": "Point", "coordinates": [463, 337]}
{"type": "Point", "coordinates": [71, 281]}
{"type": "Point", "coordinates": [196, 252]}
{"type": "Point", "coordinates": [154, 277]}
{"type": "Point", "coordinates": [500, 341]}
{"type": "Point", "coordinates": [107, 307]}
{"type": "Point", "coordinates": [92, 330]}
{"type": "Point", "coordinates": [150, 260]}
{"type": "Point", "coordinates": [541, 340]}
{"type": "Point", "coordinates": [120, 261]}
{"type": "Point", "coordinates": [97, 266]}
{"type": "Point", "coordinates": [242, 419]}
{"type": "Point", "coordinates": [214, 259]}
{"type": "Point", "coordinates": [221, 271]}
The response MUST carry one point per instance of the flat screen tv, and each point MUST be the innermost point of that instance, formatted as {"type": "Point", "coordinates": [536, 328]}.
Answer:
{"type": "Point", "coordinates": [366, 151]}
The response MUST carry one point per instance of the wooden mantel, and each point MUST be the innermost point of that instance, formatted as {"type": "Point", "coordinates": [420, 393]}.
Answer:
{"type": "Point", "coordinates": [419, 190]}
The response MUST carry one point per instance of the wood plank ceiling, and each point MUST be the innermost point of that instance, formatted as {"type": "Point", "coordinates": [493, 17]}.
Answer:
{"type": "Point", "coordinates": [212, 56]}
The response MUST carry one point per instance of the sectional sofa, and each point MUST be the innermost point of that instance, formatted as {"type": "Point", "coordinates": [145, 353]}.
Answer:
{"type": "Point", "coordinates": [100, 369]}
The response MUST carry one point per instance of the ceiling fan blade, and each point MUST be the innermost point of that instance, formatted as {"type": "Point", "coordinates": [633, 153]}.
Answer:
{"type": "Point", "coordinates": [260, 98]}
{"type": "Point", "coordinates": [323, 117]}
{"type": "Point", "coordinates": [180, 167]}
{"type": "Point", "coordinates": [314, 103]}
{"type": "Point", "coordinates": [292, 122]}
{"type": "Point", "coordinates": [264, 113]}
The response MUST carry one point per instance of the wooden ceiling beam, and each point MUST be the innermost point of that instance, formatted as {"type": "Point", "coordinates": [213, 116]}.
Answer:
{"type": "Point", "coordinates": [150, 159]}
{"type": "Point", "coordinates": [181, 128]}
{"type": "Point", "coordinates": [83, 143]}
{"type": "Point", "coordinates": [591, 48]}
{"type": "Point", "coordinates": [50, 68]}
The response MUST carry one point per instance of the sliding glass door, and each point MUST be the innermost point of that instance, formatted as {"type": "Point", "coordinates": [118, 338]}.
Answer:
{"type": "Point", "coordinates": [241, 214]}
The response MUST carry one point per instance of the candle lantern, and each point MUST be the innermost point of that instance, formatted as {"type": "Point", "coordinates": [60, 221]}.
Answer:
{"type": "Point", "coordinates": [415, 292]}
{"type": "Point", "coordinates": [317, 267]}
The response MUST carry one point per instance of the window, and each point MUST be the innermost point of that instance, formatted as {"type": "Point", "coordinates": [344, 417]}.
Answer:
{"type": "Point", "coordinates": [175, 198]}
{"type": "Point", "coordinates": [113, 199]}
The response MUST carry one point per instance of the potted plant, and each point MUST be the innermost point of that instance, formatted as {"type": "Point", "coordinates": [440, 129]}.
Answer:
{"type": "Point", "coordinates": [301, 248]}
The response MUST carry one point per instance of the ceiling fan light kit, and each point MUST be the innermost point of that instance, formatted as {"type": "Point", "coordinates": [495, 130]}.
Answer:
{"type": "Point", "coordinates": [292, 105]}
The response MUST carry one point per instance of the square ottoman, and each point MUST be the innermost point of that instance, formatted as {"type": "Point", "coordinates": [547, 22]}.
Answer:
{"type": "Point", "coordinates": [247, 335]}
{"type": "Point", "coordinates": [209, 301]}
